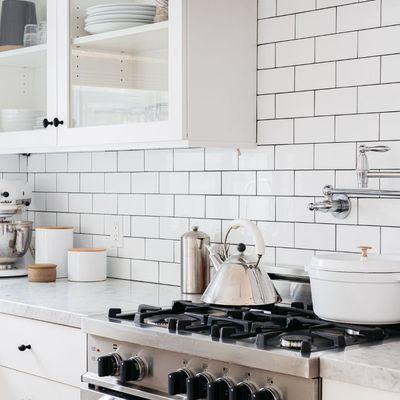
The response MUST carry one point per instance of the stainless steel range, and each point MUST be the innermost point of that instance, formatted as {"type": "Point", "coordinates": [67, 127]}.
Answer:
{"type": "Point", "coordinates": [220, 353]}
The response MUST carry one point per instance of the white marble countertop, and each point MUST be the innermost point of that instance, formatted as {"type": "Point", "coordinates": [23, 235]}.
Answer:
{"type": "Point", "coordinates": [375, 366]}
{"type": "Point", "coordinates": [66, 302]}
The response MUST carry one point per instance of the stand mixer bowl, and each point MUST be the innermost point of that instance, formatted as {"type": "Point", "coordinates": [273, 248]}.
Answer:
{"type": "Point", "coordinates": [15, 239]}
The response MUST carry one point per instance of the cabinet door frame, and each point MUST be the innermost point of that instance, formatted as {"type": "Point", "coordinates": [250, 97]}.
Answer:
{"type": "Point", "coordinates": [38, 140]}
{"type": "Point", "coordinates": [124, 136]}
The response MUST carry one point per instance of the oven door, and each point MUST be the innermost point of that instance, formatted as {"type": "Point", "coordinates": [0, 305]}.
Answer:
{"type": "Point", "coordinates": [94, 395]}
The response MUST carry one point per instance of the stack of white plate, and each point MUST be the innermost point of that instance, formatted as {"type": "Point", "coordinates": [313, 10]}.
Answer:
{"type": "Point", "coordinates": [111, 17]}
{"type": "Point", "coordinates": [38, 124]}
{"type": "Point", "coordinates": [18, 119]}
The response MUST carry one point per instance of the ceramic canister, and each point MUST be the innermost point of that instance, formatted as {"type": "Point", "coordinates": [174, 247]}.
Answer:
{"type": "Point", "coordinates": [87, 265]}
{"type": "Point", "coordinates": [51, 246]}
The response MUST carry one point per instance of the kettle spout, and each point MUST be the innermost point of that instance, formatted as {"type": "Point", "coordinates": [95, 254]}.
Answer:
{"type": "Point", "coordinates": [217, 256]}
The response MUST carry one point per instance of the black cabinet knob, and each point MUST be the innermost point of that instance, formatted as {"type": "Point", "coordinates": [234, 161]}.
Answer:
{"type": "Point", "coordinates": [219, 389]}
{"type": "Point", "coordinates": [109, 365]}
{"type": "Point", "coordinates": [133, 369]}
{"type": "Point", "coordinates": [57, 122]}
{"type": "Point", "coordinates": [196, 386]}
{"type": "Point", "coordinates": [242, 391]}
{"type": "Point", "coordinates": [269, 393]}
{"type": "Point", "coordinates": [24, 347]}
{"type": "Point", "coordinates": [46, 123]}
{"type": "Point", "coordinates": [177, 381]}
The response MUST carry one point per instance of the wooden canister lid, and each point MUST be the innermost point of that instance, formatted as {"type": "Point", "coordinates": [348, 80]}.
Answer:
{"type": "Point", "coordinates": [42, 266]}
{"type": "Point", "coordinates": [86, 250]}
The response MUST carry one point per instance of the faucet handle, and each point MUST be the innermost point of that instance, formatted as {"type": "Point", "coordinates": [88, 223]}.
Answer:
{"type": "Point", "coordinates": [378, 149]}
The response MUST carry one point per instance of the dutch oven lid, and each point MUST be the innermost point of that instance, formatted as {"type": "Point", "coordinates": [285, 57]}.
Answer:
{"type": "Point", "coordinates": [361, 263]}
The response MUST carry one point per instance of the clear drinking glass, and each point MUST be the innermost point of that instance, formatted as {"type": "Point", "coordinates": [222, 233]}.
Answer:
{"type": "Point", "coordinates": [42, 32]}
{"type": "Point", "coordinates": [30, 35]}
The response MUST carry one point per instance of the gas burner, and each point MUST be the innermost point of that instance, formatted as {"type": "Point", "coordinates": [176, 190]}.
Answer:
{"type": "Point", "coordinates": [294, 341]}
{"type": "Point", "coordinates": [163, 320]}
{"type": "Point", "coordinates": [353, 332]}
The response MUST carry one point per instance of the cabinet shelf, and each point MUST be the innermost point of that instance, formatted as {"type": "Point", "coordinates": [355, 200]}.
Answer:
{"type": "Point", "coordinates": [131, 40]}
{"type": "Point", "coordinates": [30, 57]}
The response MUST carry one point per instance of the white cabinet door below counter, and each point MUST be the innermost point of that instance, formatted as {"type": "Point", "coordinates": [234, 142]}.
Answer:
{"type": "Point", "coordinates": [16, 385]}
{"type": "Point", "coordinates": [333, 390]}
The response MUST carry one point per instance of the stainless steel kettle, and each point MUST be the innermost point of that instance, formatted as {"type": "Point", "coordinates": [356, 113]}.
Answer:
{"type": "Point", "coordinates": [239, 280]}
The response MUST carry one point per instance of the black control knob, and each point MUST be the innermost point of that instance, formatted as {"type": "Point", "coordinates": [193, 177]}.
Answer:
{"type": "Point", "coordinates": [109, 365]}
{"type": "Point", "coordinates": [243, 391]}
{"type": "Point", "coordinates": [268, 393]}
{"type": "Point", "coordinates": [177, 381]}
{"type": "Point", "coordinates": [219, 389]}
{"type": "Point", "coordinates": [196, 387]}
{"type": "Point", "coordinates": [133, 369]}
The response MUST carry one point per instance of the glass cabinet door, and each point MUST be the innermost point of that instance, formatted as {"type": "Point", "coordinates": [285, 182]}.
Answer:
{"type": "Point", "coordinates": [24, 87]}
{"type": "Point", "coordinates": [118, 63]}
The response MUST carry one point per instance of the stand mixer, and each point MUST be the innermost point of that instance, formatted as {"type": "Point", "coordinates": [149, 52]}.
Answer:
{"type": "Point", "coordinates": [15, 236]}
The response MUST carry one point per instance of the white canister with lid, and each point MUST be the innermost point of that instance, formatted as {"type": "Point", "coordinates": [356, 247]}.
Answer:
{"type": "Point", "coordinates": [87, 265]}
{"type": "Point", "coordinates": [356, 288]}
{"type": "Point", "coordinates": [51, 247]}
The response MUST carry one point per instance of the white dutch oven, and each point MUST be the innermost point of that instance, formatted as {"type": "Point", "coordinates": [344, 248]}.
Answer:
{"type": "Point", "coordinates": [357, 289]}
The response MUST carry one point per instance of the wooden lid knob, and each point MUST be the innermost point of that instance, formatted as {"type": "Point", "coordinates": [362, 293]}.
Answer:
{"type": "Point", "coordinates": [364, 250]}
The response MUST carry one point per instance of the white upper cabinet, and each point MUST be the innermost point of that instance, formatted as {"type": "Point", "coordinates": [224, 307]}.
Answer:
{"type": "Point", "coordinates": [189, 81]}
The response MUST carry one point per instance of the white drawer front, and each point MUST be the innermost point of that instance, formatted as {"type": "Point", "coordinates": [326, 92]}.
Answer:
{"type": "Point", "coordinates": [16, 385]}
{"type": "Point", "coordinates": [57, 352]}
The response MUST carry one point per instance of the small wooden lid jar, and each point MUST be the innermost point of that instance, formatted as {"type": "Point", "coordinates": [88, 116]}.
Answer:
{"type": "Point", "coordinates": [42, 273]}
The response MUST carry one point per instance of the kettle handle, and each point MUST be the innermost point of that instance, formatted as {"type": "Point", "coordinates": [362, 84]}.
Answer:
{"type": "Point", "coordinates": [255, 232]}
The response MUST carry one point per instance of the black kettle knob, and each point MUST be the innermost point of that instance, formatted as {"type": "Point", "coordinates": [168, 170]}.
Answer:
{"type": "Point", "coordinates": [242, 391]}
{"type": "Point", "coordinates": [133, 369]}
{"type": "Point", "coordinates": [196, 386]}
{"type": "Point", "coordinates": [241, 247]}
{"type": "Point", "coordinates": [57, 122]}
{"type": "Point", "coordinates": [219, 389]}
{"type": "Point", "coordinates": [268, 393]}
{"type": "Point", "coordinates": [109, 365]}
{"type": "Point", "coordinates": [177, 381]}
{"type": "Point", "coordinates": [5, 194]}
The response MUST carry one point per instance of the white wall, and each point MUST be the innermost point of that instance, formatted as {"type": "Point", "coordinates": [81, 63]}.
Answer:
{"type": "Point", "coordinates": [329, 79]}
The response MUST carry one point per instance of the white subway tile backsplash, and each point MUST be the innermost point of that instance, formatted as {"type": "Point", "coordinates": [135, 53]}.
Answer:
{"type": "Point", "coordinates": [145, 182]}
{"type": "Point", "coordinates": [132, 248]}
{"type": "Point", "coordinates": [35, 162]}
{"type": "Point", "coordinates": [297, 156]}
{"type": "Point", "coordinates": [316, 23]}
{"type": "Point", "coordinates": [277, 234]}
{"type": "Point", "coordinates": [310, 183]}
{"type": "Point", "coordinates": [173, 228]}
{"type": "Point", "coordinates": [379, 212]}
{"type": "Point", "coordinates": [118, 268]}
{"type": "Point", "coordinates": [289, 105]}
{"type": "Point", "coordinates": [92, 223]}
{"type": "Point", "coordinates": [159, 204]}
{"type": "Point", "coordinates": [257, 208]}
{"type": "Point", "coordinates": [56, 162]}
{"type": "Point", "coordinates": [159, 250]}
{"type": "Point", "coordinates": [379, 98]}
{"type": "Point", "coordinates": [315, 76]}
{"type": "Point", "coordinates": [275, 183]}
{"type": "Point", "coordinates": [349, 238]}
{"type": "Point", "coordinates": [91, 183]}
{"type": "Point", "coordinates": [145, 227]}
{"type": "Point", "coordinates": [295, 52]}
{"type": "Point", "coordinates": [315, 236]}
{"type": "Point", "coordinates": [221, 159]}
{"type": "Point", "coordinates": [359, 16]}
{"type": "Point", "coordinates": [211, 226]}
{"type": "Point", "coordinates": [335, 156]}
{"type": "Point", "coordinates": [290, 6]}
{"type": "Point", "coordinates": [390, 123]}
{"type": "Point", "coordinates": [69, 219]}
{"type": "Point", "coordinates": [363, 71]}
{"type": "Point", "coordinates": [159, 160]}
{"type": "Point", "coordinates": [222, 207]}
{"type": "Point", "coordinates": [174, 182]}
{"type": "Point", "coordinates": [68, 182]}
{"type": "Point", "coordinates": [390, 12]}
{"type": "Point", "coordinates": [80, 202]}
{"type": "Point", "coordinates": [266, 8]}
{"type": "Point", "coordinates": [314, 129]}
{"type": "Point", "coordinates": [57, 202]}
{"type": "Point", "coordinates": [294, 209]}
{"type": "Point", "coordinates": [390, 68]}
{"type": "Point", "coordinates": [189, 159]}
{"type": "Point", "coordinates": [45, 182]}
{"type": "Point", "coordinates": [277, 131]}
{"type": "Point", "coordinates": [239, 182]}
{"type": "Point", "coordinates": [105, 203]}
{"type": "Point", "coordinates": [336, 47]}
{"type": "Point", "coordinates": [189, 206]}
{"type": "Point", "coordinates": [276, 29]}
{"type": "Point", "coordinates": [117, 183]}
{"type": "Point", "coordinates": [390, 239]}
{"type": "Point", "coordinates": [170, 274]}
{"type": "Point", "coordinates": [380, 41]}
{"type": "Point", "coordinates": [276, 80]}
{"type": "Point", "coordinates": [131, 204]}
{"type": "Point", "coordinates": [79, 162]}
{"type": "Point", "coordinates": [205, 183]}
{"type": "Point", "coordinates": [145, 271]}
{"type": "Point", "coordinates": [336, 101]}
{"type": "Point", "coordinates": [266, 56]}
{"type": "Point", "coordinates": [266, 106]}
{"type": "Point", "coordinates": [131, 161]}
{"type": "Point", "coordinates": [104, 161]}
{"type": "Point", "coordinates": [357, 127]}
{"type": "Point", "coordinates": [257, 159]}
{"type": "Point", "coordinates": [331, 3]}
{"type": "Point", "coordinates": [293, 257]}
